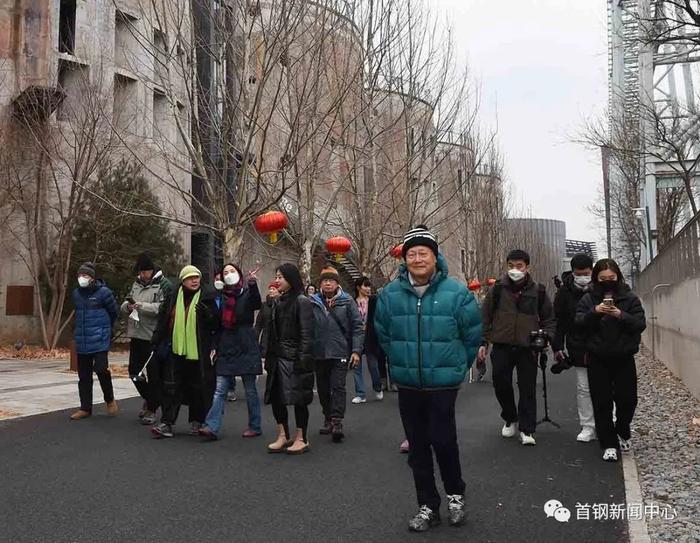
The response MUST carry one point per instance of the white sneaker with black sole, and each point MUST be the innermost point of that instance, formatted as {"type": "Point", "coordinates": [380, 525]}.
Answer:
{"type": "Point", "coordinates": [359, 399]}
{"type": "Point", "coordinates": [527, 439]}
{"type": "Point", "coordinates": [610, 455]}
{"type": "Point", "coordinates": [586, 435]}
{"type": "Point", "coordinates": [509, 430]}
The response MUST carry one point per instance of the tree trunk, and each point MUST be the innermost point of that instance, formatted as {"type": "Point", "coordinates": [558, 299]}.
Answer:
{"type": "Point", "coordinates": [233, 239]}
{"type": "Point", "coordinates": [306, 261]}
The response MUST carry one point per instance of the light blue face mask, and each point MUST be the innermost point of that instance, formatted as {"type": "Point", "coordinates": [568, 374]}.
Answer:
{"type": "Point", "coordinates": [582, 281]}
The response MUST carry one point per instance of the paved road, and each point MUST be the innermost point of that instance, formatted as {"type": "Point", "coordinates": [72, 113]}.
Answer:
{"type": "Point", "coordinates": [108, 480]}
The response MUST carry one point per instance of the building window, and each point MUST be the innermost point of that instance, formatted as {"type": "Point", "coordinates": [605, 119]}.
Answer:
{"type": "Point", "coordinates": [124, 39]}
{"type": "Point", "coordinates": [19, 301]}
{"type": "Point", "coordinates": [160, 115]}
{"type": "Point", "coordinates": [125, 99]}
{"type": "Point", "coordinates": [160, 57]}
{"type": "Point", "coordinates": [66, 26]}
{"type": "Point", "coordinates": [464, 262]}
{"type": "Point", "coordinates": [72, 80]}
{"type": "Point", "coordinates": [459, 177]}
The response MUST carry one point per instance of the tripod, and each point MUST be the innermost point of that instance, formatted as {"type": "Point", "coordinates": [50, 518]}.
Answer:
{"type": "Point", "coordinates": [543, 366]}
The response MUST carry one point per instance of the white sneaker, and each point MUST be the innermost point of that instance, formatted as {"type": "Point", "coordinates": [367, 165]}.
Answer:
{"type": "Point", "coordinates": [380, 395]}
{"type": "Point", "coordinates": [359, 399]}
{"type": "Point", "coordinates": [625, 444]}
{"type": "Point", "coordinates": [586, 435]}
{"type": "Point", "coordinates": [610, 455]}
{"type": "Point", "coordinates": [527, 439]}
{"type": "Point", "coordinates": [508, 430]}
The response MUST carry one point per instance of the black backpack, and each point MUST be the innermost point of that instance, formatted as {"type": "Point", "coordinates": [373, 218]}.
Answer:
{"type": "Point", "coordinates": [541, 294]}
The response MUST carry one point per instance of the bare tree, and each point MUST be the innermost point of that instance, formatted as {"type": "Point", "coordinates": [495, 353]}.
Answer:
{"type": "Point", "coordinates": [47, 166]}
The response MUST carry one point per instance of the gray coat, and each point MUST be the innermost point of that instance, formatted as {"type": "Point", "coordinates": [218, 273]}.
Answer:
{"type": "Point", "coordinates": [149, 297]}
{"type": "Point", "coordinates": [333, 340]}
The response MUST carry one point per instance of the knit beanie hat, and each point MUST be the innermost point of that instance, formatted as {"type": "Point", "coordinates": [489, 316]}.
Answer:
{"type": "Point", "coordinates": [189, 271]}
{"type": "Point", "coordinates": [144, 262]}
{"type": "Point", "coordinates": [88, 268]}
{"type": "Point", "coordinates": [420, 235]}
{"type": "Point", "coordinates": [329, 272]}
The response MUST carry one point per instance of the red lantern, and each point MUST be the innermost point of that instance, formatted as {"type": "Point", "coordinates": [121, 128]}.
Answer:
{"type": "Point", "coordinates": [271, 223]}
{"type": "Point", "coordinates": [474, 285]}
{"type": "Point", "coordinates": [397, 252]}
{"type": "Point", "coordinates": [338, 246]}
{"type": "Point", "coordinates": [491, 282]}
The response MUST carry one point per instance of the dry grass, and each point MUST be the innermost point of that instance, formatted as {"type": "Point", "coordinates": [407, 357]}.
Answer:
{"type": "Point", "coordinates": [6, 414]}
{"type": "Point", "coordinates": [31, 352]}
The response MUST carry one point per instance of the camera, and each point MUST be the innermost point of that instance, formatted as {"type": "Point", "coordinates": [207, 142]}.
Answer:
{"type": "Point", "coordinates": [561, 365]}
{"type": "Point", "coordinates": [539, 339]}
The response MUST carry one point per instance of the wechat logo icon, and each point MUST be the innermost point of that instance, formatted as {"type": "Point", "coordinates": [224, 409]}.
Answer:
{"type": "Point", "coordinates": [554, 508]}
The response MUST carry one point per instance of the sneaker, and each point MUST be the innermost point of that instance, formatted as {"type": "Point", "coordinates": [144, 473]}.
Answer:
{"type": "Point", "coordinates": [337, 430]}
{"type": "Point", "coordinates": [195, 427]}
{"type": "Point", "coordinates": [586, 435]}
{"type": "Point", "coordinates": [405, 447]}
{"type": "Point", "coordinates": [251, 433]}
{"type": "Point", "coordinates": [112, 408]}
{"type": "Point", "coordinates": [527, 439]}
{"type": "Point", "coordinates": [359, 399]}
{"type": "Point", "coordinates": [508, 430]}
{"type": "Point", "coordinates": [326, 428]}
{"type": "Point", "coordinates": [455, 509]}
{"type": "Point", "coordinates": [231, 397]}
{"type": "Point", "coordinates": [625, 444]}
{"type": "Point", "coordinates": [148, 418]}
{"type": "Point", "coordinates": [162, 430]}
{"type": "Point", "coordinates": [380, 395]}
{"type": "Point", "coordinates": [610, 455]}
{"type": "Point", "coordinates": [424, 520]}
{"type": "Point", "coordinates": [80, 414]}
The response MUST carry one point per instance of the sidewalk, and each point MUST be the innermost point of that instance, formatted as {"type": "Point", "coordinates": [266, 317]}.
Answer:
{"type": "Point", "coordinates": [31, 387]}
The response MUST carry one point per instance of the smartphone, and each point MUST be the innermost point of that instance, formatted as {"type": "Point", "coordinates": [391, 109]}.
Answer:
{"type": "Point", "coordinates": [608, 302]}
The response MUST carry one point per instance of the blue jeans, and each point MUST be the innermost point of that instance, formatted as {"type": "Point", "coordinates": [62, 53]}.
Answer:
{"type": "Point", "coordinates": [216, 413]}
{"type": "Point", "coordinates": [373, 365]}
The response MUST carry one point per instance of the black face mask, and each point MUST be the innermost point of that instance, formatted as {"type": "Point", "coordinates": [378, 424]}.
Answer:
{"type": "Point", "coordinates": [609, 286]}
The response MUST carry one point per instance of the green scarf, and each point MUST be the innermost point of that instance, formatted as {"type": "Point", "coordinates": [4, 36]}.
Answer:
{"type": "Point", "coordinates": [185, 327]}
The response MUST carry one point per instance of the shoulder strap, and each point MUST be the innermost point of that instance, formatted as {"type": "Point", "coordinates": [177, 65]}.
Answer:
{"type": "Point", "coordinates": [340, 325]}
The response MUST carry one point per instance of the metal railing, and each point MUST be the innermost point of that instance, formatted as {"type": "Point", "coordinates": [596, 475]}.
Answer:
{"type": "Point", "coordinates": [678, 260]}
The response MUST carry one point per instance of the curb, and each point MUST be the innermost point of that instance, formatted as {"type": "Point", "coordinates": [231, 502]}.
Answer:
{"type": "Point", "coordinates": [637, 529]}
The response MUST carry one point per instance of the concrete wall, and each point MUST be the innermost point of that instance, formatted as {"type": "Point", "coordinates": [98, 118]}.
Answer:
{"type": "Point", "coordinates": [673, 314]}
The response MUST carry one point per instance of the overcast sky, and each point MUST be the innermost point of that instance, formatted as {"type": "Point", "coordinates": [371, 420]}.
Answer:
{"type": "Point", "coordinates": [542, 66]}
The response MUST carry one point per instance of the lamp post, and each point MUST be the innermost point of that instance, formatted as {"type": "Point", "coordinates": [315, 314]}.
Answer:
{"type": "Point", "coordinates": [638, 212]}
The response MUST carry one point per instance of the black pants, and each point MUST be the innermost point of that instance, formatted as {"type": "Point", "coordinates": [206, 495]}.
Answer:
{"type": "Point", "coordinates": [139, 351]}
{"type": "Point", "coordinates": [279, 410]}
{"type": "Point", "coordinates": [429, 422]}
{"type": "Point", "coordinates": [182, 383]}
{"type": "Point", "coordinates": [503, 359]}
{"type": "Point", "coordinates": [331, 376]}
{"type": "Point", "coordinates": [99, 363]}
{"type": "Point", "coordinates": [612, 380]}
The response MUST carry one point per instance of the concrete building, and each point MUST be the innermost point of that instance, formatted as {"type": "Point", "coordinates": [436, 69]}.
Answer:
{"type": "Point", "coordinates": [76, 92]}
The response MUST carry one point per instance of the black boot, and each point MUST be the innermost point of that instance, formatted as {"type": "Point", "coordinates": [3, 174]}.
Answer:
{"type": "Point", "coordinates": [326, 428]}
{"type": "Point", "coordinates": [337, 430]}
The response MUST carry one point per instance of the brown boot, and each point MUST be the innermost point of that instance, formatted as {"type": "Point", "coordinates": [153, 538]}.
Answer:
{"type": "Point", "coordinates": [112, 408]}
{"type": "Point", "coordinates": [80, 414]}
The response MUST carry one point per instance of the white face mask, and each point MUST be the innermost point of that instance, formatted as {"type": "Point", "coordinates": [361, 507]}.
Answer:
{"type": "Point", "coordinates": [219, 285]}
{"type": "Point", "coordinates": [516, 275]}
{"type": "Point", "coordinates": [232, 278]}
{"type": "Point", "coordinates": [83, 281]}
{"type": "Point", "coordinates": [582, 281]}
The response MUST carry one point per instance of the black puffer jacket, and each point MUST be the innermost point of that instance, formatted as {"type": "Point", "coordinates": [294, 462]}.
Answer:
{"type": "Point", "coordinates": [568, 336]}
{"type": "Point", "coordinates": [289, 354]}
{"type": "Point", "coordinates": [262, 332]}
{"type": "Point", "coordinates": [237, 351]}
{"type": "Point", "coordinates": [606, 336]}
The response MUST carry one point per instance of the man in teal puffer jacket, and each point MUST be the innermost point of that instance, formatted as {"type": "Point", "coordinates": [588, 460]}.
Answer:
{"type": "Point", "coordinates": [429, 325]}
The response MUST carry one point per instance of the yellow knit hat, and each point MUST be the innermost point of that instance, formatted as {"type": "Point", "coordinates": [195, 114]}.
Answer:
{"type": "Point", "coordinates": [189, 271]}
